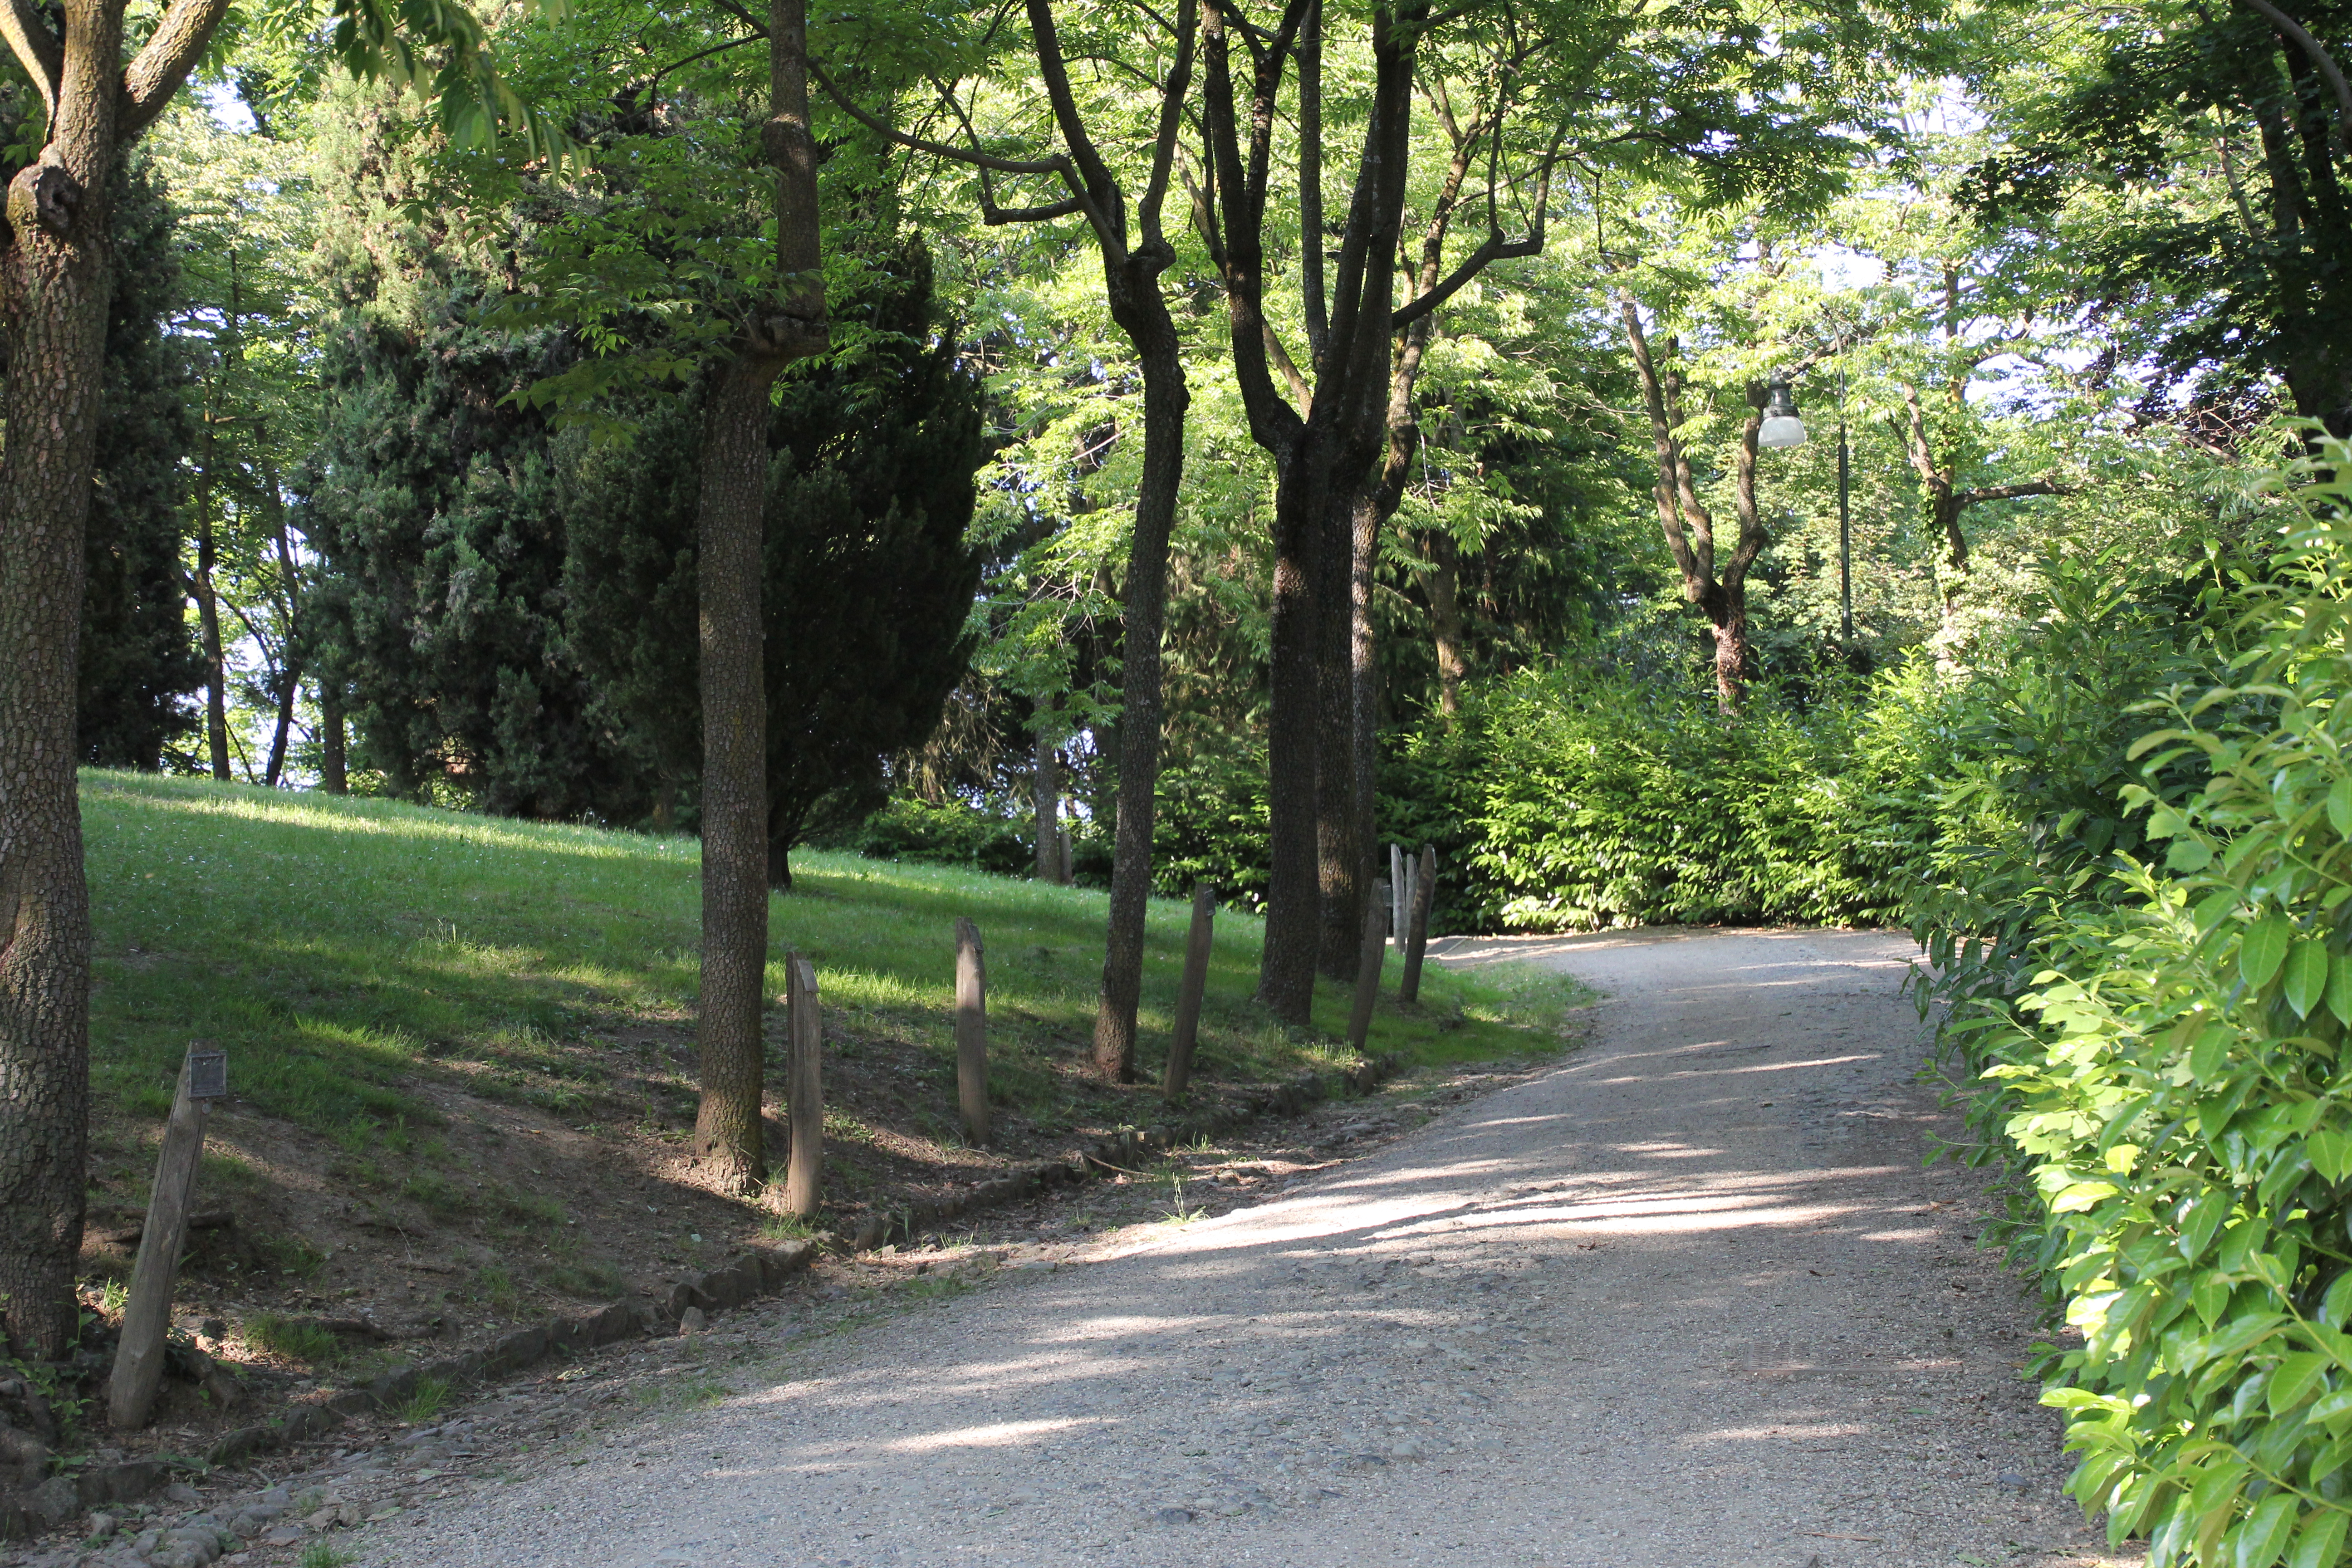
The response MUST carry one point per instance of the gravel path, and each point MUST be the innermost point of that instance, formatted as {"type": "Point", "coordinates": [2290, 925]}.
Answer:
{"type": "Point", "coordinates": [1689, 1298]}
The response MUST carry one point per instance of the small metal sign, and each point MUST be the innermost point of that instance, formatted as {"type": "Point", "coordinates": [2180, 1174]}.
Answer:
{"type": "Point", "coordinates": [207, 1075]}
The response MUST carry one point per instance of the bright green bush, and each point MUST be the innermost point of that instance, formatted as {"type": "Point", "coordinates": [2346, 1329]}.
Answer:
{"type": "Point", "coordinates": [1596, 803]}
{"type": "Point", "coordinates": [2171, 1084]}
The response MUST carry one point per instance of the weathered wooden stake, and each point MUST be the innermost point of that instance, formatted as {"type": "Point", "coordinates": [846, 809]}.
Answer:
{"type": "Point", "coordinates": [971, 1033]}
{"type": "Point", "coordinates": [1425, 890]}
{"type": "Point", "coordinates": [138, 1355]}
{"type": "Point", "coordinates": [1189, 991]}
{"type": "Point", "coordinates": [1400, 893]}
{"type": "Point", "coordinates": [1368, 973]}
{"type": "Point", "coordinates": [1405, 900]}
{"type": "Point", "coordinates": [804, 1084]}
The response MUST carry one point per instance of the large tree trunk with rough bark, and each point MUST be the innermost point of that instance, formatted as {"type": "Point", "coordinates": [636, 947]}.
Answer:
{"type": "Point", "coordinates": [731, 531]}
{"type": "Point", "coordinates": [1337, 849]}
{"type": "Point", "coordinates": [56, 270]}
{"type": "Point", "coordinates": [729, 528]}
{"type": "Point", "coordinates": [1293, 895]}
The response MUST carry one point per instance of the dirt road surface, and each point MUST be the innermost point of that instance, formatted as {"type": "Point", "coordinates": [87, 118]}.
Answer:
{"type": "Point", "coordinates": [1689, 1298]}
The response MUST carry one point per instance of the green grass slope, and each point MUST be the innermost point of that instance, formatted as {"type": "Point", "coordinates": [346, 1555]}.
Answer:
{"type": "Point", "coordinates": [346, 951]}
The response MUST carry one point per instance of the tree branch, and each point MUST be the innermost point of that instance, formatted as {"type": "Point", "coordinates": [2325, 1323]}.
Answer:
{"type": "Point", "coordinates": [35, 48]}
{"type": "Point", "coordinates": [1172, 123]}
{"type": "Point", "coordinates": [180, 41]}
{"type": "Point", "coordinates": [2011, 492]}
{"type": "Point", "coordinates": [2296, 33]}
{"type": "Point", "coordinates": [1494, 247]}
{"type": "Point", "coordinates": [1054, 165]}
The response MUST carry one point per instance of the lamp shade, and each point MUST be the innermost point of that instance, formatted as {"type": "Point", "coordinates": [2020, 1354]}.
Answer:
{"type": "Point", "coordinates": [1781, 428]}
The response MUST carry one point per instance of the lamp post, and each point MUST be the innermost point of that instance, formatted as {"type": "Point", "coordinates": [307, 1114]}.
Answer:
{"type": "Point", "coordinates": [1781, 428]}
{"type": "Point", "coordinates": [1846, 526]}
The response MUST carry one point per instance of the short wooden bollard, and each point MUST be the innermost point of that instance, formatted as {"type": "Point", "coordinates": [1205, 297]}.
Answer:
{"type": "Point", "coordinates": [971, 1033]}
{"type": "Point", "coordinates": [1400, 893]}
{"type": "Point", "coordinates": [805, 1085]}
{"type": "Point", "coordinates": [139, 1353]}
{"type": "Point", "coordinates": [1425, 890]}
{"type": "Point", "coordinates": [1189, 991]}
{"type": "Point", "coordinates": [1368, 973]}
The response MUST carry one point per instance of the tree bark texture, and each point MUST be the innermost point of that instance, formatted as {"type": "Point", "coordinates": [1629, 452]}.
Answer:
{"type": "Point", "coordinates": [1341, 864]}
{"type": "Point", "coordinates": [1046, 800]}
{"type": "Point", "coordinates": [56, 266]}
{"type": "Point", "coordinates": [727, 1129]}
{"type": "Point", "coordinates": [1165, 397]}
{"type": "Point", "coordinates": [731, 529]}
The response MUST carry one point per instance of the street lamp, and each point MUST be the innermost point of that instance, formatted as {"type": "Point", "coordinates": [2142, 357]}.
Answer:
{"type": "Point", "coordinates": [1781, 428]}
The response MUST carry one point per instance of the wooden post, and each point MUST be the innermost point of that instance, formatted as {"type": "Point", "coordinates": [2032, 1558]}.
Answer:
{"type": "Point", "coordinates": [971, 1033]}
{"type": "Point", "coordinates": [805, 1083]}
{"type": "Point", "coordinates": [1189, 993]}
{"type": "Point", "coordinates": [1368, 973]}
{"type": "Point", "coordinates": [138, 1355]}
{"type": "Point", "coordinates": [1400, 893]}
{"type": "Point", "coordinates": [1405, 900]}
{"type": "Point", "coordinates": [1425, 890]}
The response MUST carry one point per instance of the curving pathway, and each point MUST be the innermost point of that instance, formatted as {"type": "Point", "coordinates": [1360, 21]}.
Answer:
{"type": "Point", "coordinates": [1689, 1298]}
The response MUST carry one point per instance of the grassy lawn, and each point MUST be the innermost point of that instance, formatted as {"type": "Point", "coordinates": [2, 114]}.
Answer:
{"type": "Point", "coordinates": [347, 951]}
{"type": "Point", "coordinates": [462, 1065]}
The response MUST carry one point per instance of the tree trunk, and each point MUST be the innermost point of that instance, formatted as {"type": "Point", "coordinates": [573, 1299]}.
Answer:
{"type": "Point", "coordinates": [1292, 901]}
{"type": "Point", "coordinates": [1143, 311]}
{"type": "Point", "coordinates": [208, 623]}
{"type": "Point", "coordinates": [1045, 797]}
{"type": "Point", "coordinates": [1365, 682]}
{"type": "Point", "coordinates": [1336, 851]}
{"type": "Point", "coordinates": [333, 777]}
{"type": "Point", "coordinates": [56, 266]}
{"type": "Point", "coordinates": [1445, 619]}
{"type": "Point", "coordinates": [290, 680]}
{"type": "Point", "coordinates": [729, 528]}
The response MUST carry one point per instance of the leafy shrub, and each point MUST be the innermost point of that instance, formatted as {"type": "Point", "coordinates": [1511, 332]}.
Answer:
{"type": "Point", "coordinates": [2171, 1083]}
{"type": "Point", "coordinates": [955, 833]}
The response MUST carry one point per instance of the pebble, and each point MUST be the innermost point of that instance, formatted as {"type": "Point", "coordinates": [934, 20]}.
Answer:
{"type": "Point", "coordinates": [1174, 1516]}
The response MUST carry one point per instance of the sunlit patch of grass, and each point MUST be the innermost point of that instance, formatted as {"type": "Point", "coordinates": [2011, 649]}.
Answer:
{"type": "Point", "coordinates": [348, 952]}
{"type": "Point", "coordinates": [296, 1339]}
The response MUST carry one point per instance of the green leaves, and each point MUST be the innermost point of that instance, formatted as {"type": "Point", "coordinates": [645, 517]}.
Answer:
{"type": "Point", "coordinates": [2307, 975]}
{"type": "Point", "coordinates": [2197, 1017]}
{"type": "Point", "coordinates": [2263, 949]}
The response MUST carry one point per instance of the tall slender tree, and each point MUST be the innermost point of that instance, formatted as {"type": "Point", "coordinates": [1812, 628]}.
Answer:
{"type": "Point", "coordinates": [1134, 248]}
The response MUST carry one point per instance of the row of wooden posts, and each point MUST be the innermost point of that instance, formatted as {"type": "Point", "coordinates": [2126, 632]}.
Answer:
{"type": "Point", "coordinates": [203, 1077]}
{"type": "Point", "coordinates": [1407, 897]}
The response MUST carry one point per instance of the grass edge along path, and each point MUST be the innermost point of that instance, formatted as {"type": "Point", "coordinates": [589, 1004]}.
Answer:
{"type": "Point", "coordinates": [350, 952]}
